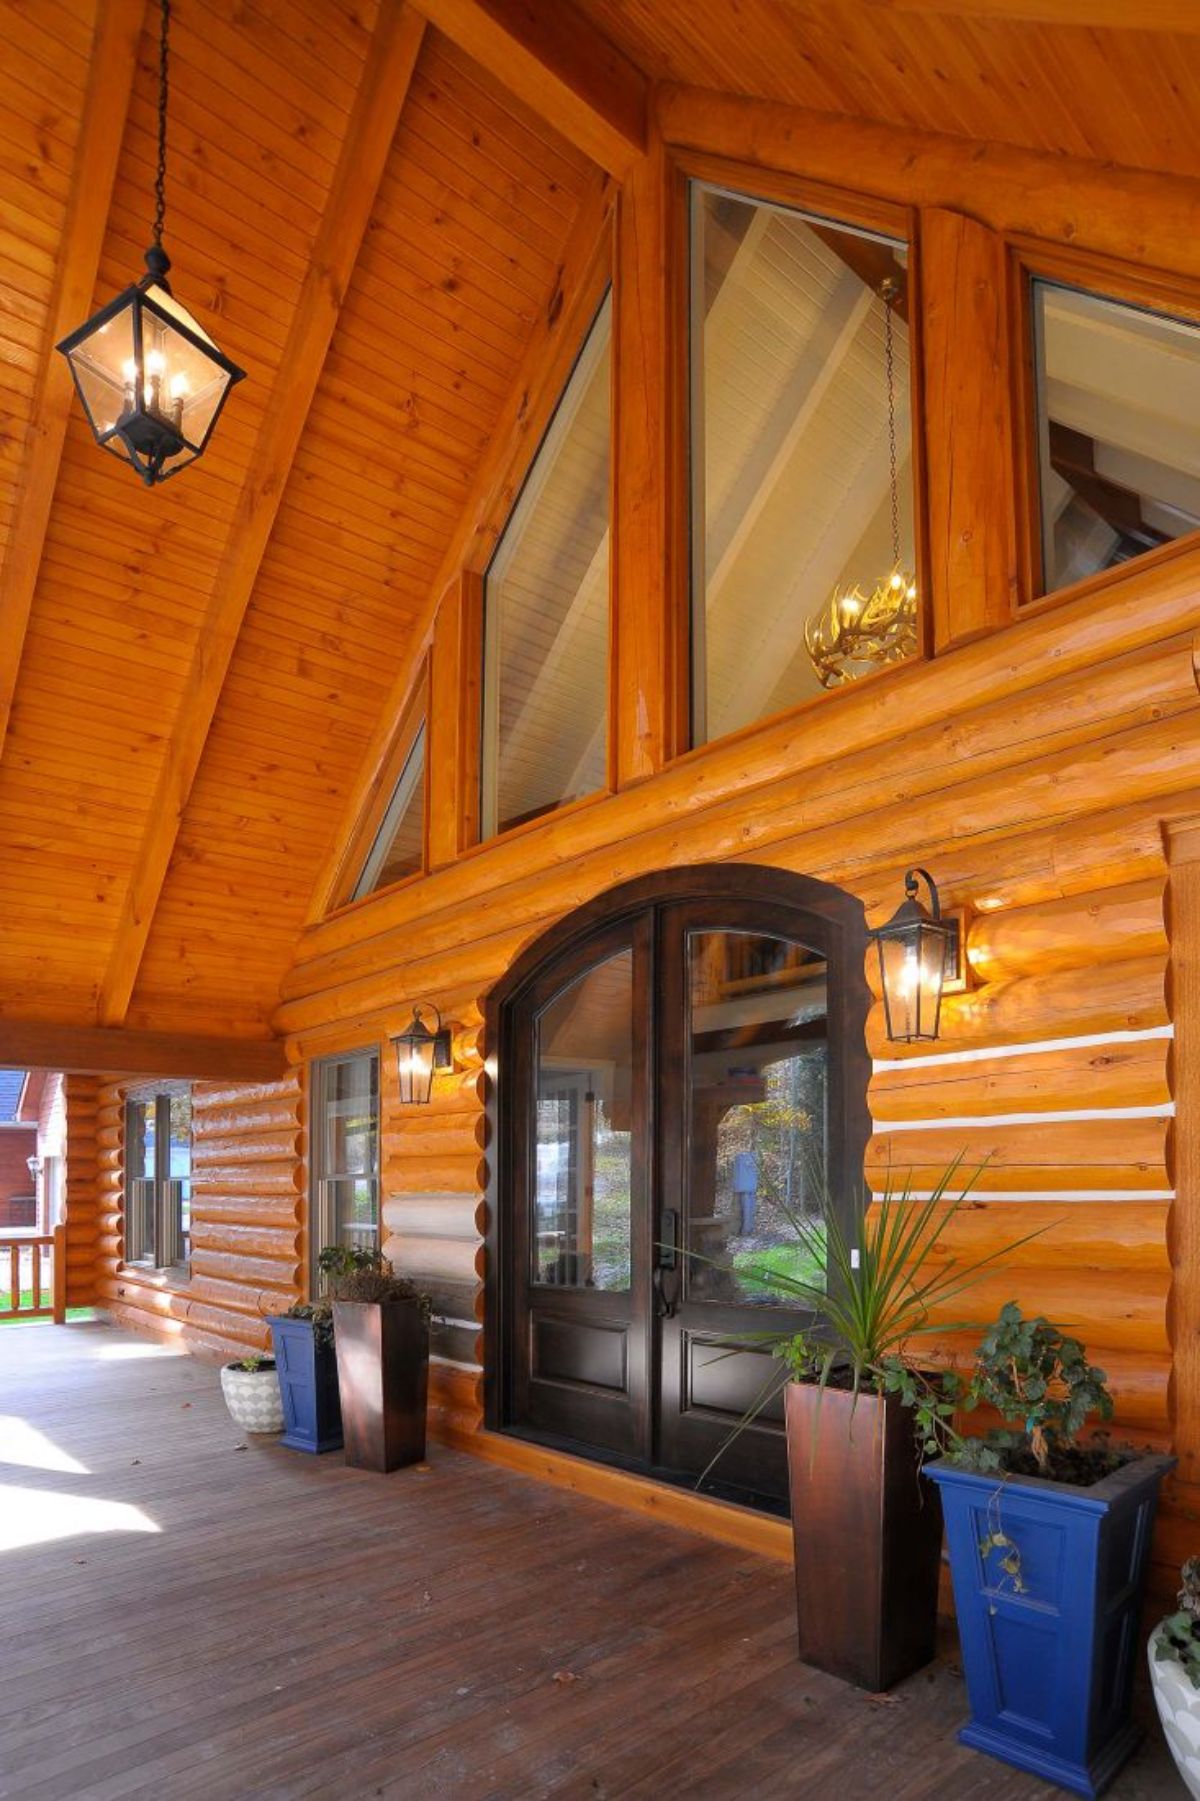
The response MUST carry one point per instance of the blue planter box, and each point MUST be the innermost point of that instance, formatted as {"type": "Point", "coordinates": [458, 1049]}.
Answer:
{"type": "Point", "coordinates": [1049, 1667]}
{"type": "Point", "coordinates": [308, 1386]}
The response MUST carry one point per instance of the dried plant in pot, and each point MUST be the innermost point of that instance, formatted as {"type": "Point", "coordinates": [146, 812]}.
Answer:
{"type": "Point", "coordinates": [1049, 1534]}
{"type": "Point", "coordinates": [381, 1336]}
{"type": "Point", "coordinates": [862, 1408]}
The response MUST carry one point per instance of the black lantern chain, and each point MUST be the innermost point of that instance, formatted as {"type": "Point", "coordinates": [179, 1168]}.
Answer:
{"type": "Point", "coordinates": [164, 95]}
{"type": "Point", "coordinates": [151, 380]}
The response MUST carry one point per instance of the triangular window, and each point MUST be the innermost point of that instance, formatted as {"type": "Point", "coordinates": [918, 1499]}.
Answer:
{"type": "Point", "coordinates": [398, 847]}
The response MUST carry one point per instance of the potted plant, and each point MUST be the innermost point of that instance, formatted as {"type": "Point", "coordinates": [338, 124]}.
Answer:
{"type": "Point", "coordinates": [1175, 1678]}
{"type": "Point", "coordinates": [251, 1390]}
{"type": "Point", "coordinates": [308, 1385]}
{"type": "Point", "coordinates": [1049, 1539]}
{"type": "Point", "coordinates": [381, 1335]}
{"type": "Point", "coordinates": [861, 1411]}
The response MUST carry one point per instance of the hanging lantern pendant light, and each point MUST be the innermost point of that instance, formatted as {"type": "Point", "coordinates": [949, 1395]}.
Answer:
{"type": "Point", "coordinates": [151, 380]}
{"type": "Point", "coordinates": [854, 630]}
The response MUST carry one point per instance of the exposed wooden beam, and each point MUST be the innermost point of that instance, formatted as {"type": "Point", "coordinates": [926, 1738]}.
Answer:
{"type": "Point", "coordinates": [1136, 214]}
{"type": "Point", "coordinates": [1073, 456]}
{"type": "Point", "coordinates": [389, 68]}
{"type": "Point", "coordinates": [1105, 15]}
{"type": "Point", "coordinates": [555, 60]}
{"type": "Point", "coordinates": [110, 83]}
{"type": "Point", "coordinates": [110, 1051]}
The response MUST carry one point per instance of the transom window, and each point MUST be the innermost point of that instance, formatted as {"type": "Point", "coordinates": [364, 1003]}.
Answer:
{"type": "Point", "coordinates": [345, 1161]}
{"type": "Point", "coordinates": [802, 483]}
{"type": "Point", "coordinates": [545, 609]}
{"type": "Point", "coordinates": [1117, 395]}
{"type": "Point", "coordinates": [158, 1179]}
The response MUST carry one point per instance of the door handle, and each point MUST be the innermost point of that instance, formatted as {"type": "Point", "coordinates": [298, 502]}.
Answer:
{"type": "Point", "coordinates": [666, 1277]}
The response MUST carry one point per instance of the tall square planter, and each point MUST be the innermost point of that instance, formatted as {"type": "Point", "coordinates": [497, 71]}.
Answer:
{"type": "Point", "coordinates": [383, 1374]}
{"type": "Point", "coordinates": [1049, 1665]}
{"type": "Point", "coordinates": [868, 1536]}
{"type": "Point", "coordinates": [308, 1386]}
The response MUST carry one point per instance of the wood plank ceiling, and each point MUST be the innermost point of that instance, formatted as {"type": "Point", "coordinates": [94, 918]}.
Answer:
{"type": "Point", "coordinates": [475, 204]}
{"type": "Point", "coordinates": [193, 703]}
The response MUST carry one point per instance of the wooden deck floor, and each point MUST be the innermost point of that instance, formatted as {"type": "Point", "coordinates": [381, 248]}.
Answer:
{"type": "Point", "coordinates": [185, 1617]}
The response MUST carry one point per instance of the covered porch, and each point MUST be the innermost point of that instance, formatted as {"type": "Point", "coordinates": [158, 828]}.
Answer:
{"type": "Point", "coordinates": [191, 1613]}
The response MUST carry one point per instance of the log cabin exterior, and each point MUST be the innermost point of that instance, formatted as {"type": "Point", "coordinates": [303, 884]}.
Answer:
{"type": "Point", "coordinates": [403, 219]}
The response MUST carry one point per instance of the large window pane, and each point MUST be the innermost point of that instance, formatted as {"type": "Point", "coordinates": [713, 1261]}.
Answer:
{"type": "Point", "coordinates": [346, 1152]}
{"type": "Point", "coordinates": [793, 498]}
{"type": "Point", "coordinates": [399, 847]}
{"type": "Point", "coordinates": [546, 613]}
{"type": "Point", "coordinates": [581, 1205]}
{"type": "Point", "coordinates": [756, 1096]}
{"type": "Point", "coordinates": [1118, 395]}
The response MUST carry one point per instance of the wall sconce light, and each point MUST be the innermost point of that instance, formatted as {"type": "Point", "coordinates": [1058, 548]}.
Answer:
{"type": "Point", "coordinates": [34, 1166]}
{"type": "Point", "coordinates": [918, 954]}
{"type": "Point", "coordinates": [420, 1054]}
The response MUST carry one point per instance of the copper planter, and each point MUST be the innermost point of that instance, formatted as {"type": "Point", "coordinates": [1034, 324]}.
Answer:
{"type": "Point", "coordinates": [868, 1541]}
{"type": "Point", "coordinates": [383, 1376]}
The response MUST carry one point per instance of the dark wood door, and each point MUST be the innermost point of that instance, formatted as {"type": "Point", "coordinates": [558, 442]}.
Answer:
{"type": "Point", "coordinates": [580, 1248]}
{"type": "Point", "coordinates": [749, 1104]}
{"type": "Point", "coordinates": [681, 1079]}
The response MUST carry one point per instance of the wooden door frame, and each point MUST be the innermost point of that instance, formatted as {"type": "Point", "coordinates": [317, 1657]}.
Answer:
{"type": "Point", "coordinates": [803, 895]}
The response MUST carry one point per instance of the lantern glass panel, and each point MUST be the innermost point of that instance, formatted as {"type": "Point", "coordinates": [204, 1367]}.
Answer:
{"type": "Point", "coordinates": [185, 382]}
{"type": "Point", "coordinates": [104, 369]}
{"type": "Point", "coordinates": [414, 1066]}
{"type": "Point", "coordinates": [912, 961]}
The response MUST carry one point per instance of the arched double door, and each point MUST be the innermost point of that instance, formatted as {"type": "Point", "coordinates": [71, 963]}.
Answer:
{"type": "Point", "coordinates": [679, 1068]}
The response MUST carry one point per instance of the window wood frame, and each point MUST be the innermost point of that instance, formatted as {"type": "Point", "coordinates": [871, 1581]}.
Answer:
{"type": "Point", "coordinates": [1103, 278]}
{"type": "Point", "coordinates": [167, 1196]}
{"type": "Point", "coordinates": [318, 1222]}
{"type": "Point", "coordinates": [413, 715]}
{"type": "Point", "coordinates": [579, 343]}
{"type": "Point", "coordinates": [836, 206]}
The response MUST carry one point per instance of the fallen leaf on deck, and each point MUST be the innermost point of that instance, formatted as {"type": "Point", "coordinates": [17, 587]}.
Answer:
{"type": "Point", "coordinates": [564, 1676]}
{"type": "Point", "coordinates": [884, 1700]}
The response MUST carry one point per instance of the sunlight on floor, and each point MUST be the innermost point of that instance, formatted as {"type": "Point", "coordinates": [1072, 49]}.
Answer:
{"type": "Point", "coordinates": [38, 1516]}
{"type": "Point", "coordinates": [124, 1353]}
{"type": "Point", "coordinates": [24, 1444]}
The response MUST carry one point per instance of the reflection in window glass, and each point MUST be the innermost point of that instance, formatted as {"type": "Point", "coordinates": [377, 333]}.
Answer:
{"type": "Point", "coordinates": [546, 613]}
{"type": "Point", "coordinates": [399, 847]}
{"type": "Point", "coordinates": [792, 489]}
{"type": "Point", "coordinates": [346, 1150]}
{"type": "Point", "coordinates": [1118, 393]}
{"type": "Point", "coordinates": [756, 1113]}
{"type": "Point", "coordinates": [584, 1162]}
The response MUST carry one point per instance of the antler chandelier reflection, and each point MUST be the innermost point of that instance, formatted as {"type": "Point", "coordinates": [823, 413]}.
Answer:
{"type": "Point", "coordinates": [853, 628]}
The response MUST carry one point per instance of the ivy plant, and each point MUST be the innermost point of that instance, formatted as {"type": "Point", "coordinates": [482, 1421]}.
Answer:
{"type": "Point", "coordinates": [1040, 1382]}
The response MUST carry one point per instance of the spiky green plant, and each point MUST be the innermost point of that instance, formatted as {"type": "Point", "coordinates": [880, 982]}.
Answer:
{"type": "Point", "coordinates": [887, 1284]}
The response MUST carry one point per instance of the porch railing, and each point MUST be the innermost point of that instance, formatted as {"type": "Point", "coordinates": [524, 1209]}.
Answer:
{"type": "Point", "coordinates": [33, 1276]}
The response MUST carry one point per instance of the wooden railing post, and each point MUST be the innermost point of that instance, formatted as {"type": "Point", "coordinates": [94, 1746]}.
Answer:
{"type": "Point", "coordinates": [60, 1274]}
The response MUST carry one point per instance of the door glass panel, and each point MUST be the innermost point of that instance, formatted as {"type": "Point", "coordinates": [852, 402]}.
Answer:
{"type": "Point", "coordinates": [581, 1202]}
{"type": "Point", "coordinates": [757, 1073]}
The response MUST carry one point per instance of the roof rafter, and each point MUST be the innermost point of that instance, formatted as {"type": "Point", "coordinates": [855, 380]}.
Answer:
{"type": "Point", "coordinates": [102, 1051]}
{"type": "Point", "coordinates": [553, 58]}
{"type": "Point", "coordinates": [110, 84]}
{"type": "Point", "coordinates": [387, 76]}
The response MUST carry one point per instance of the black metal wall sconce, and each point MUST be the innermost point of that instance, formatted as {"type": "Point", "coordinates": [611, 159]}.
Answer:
{"type": "Point", "coordinates": [421, 1053]}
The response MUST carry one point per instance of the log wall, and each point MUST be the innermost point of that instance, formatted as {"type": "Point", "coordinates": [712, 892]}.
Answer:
{"type": "Point", "coordinates": [1041, 812]}
{"type": "Point", "coordinates": [248, 1227]}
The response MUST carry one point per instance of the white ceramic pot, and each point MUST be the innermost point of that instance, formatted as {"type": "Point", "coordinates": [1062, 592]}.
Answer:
{"type": "Point", "coordinates": [252, 1397]}
{"type": "Point", "coordinates": [1178, 1706]}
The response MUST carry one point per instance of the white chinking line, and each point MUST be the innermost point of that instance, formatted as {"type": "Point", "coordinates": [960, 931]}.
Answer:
{"type": "Point", "coordinates": [1070, 1195]}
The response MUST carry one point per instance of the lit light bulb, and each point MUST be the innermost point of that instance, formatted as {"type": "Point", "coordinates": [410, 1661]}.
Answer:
{"type": "Point", "coordinates": [906, 981]}
{"type": "Point", "coordinates": [129, 371]}
{"type": "Point", "coordinates": [895, 580]}
{"type": "Point", "coordinates": [156, 364]}
{"type": "Point", "coordinates": [180, 386]}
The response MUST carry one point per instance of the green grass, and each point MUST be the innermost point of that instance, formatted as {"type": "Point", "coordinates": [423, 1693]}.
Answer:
{"type": "Point", "coordinates": [793, 1260]}
{"type": "Point", "coordinates": [27, 1301]}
